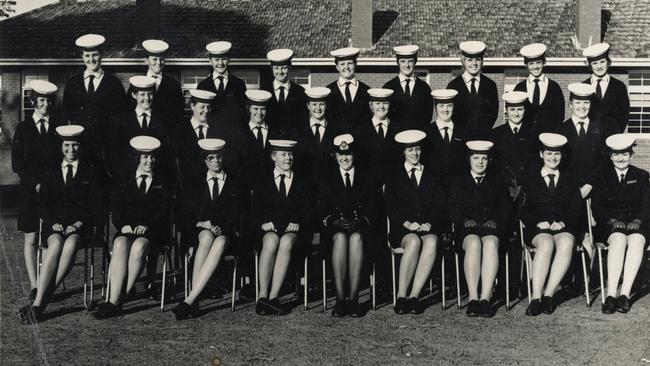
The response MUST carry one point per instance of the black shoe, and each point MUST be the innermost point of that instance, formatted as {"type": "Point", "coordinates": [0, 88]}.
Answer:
{"type": "Point", "coordinates": [108, 310]}
{"type": "Point", "coordinates": [623, 304]}
{"type": "Point", "coordinates": [534, 308]}
{"type": "Point", "coordinates": [182, 311]}
{"type": "Point", "coordinates": [32, 295]}
{"type": "Point", "coordinates": [609, 306]}
{"type": "Point", "coordinates": [278, 308]}
{"type": "Point", "coordinates": [339, 310]}
{"type": "Point", "coordinates": [30, 314]}
{"type": "Point", "coordinates": [401, 306]}
{"type": "Point", "coordinates": [153, 291]}
{"type": "Point", "coordinates": [354, 308]}
{"type": "Point", "coordinates": [262, 307]}
{"type": "Point", "coordinates": [472, 308]}
{"type": "Point", "coordinates": [485, 309]}
{"type": "Point", "coordinates": [547, 305]}
{"type": "Point", "coordinates": [415, 306]}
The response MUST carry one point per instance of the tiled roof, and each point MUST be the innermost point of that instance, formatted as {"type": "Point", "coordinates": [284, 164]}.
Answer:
{"type": "Point", "coordinates": [314, 27]}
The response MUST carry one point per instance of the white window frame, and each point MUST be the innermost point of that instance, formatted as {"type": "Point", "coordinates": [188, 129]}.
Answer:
{"type": "Point", "coordinates": [295, 77]}
{"type": "Point", "coordinates": [640, 97]}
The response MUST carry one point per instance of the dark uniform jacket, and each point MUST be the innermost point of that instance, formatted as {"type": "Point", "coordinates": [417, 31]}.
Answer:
{"type": "Point", "coordinates": [129, 206]}
{"type": "Point", "coordinates": [313, 157]}
{"type": "Point", "coordinates": [95, 113]}
{"type": "Point", "coordinates": [415, 111]}
{"type": "Point", "coordinates": [33, 154]}
{"type": "Point", "coordinates": [548, 116]}
{"type": "Point", "coordinates": [563, 204]}
{"type": "Point", "coordinates": [66, 204]}
{"type": "Point", "coordinates": [233, 95]}
{"type": "Point", "coordinates": [224, 212]}
{"type": "Point", "coordinates": [584, 155]}
{"type": "Point", "coordinates": [286, 116]}
{"type": "Point", "coordinates": [348, 115]}
{"type": "Point", "coordinates": [514, 154]}
{"type": "Point", "coordinates": [476, 114]}
{"type": "Point", "coordinates": [479, 202]}
{"type": "Point", "coordinates": [379, 155]}
{"type": "Point", "coordinates": [270, 206]}
{"type": "Point", "coordinates": [168, 102]}
{"type": "Point", "coordinates": [614, 109]}
{"type": "Point", "coordinates": [335, 200]}
{"type": "Point", "coordinates": [447, 159]}
{"type": "Point", "coordinates": [624, 201]}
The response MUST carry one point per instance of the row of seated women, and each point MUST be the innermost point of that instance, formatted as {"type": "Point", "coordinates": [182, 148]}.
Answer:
{"type": "Point", "coordinates": [419, 209]}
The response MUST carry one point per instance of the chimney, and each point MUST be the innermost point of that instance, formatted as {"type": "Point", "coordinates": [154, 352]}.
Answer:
{"type": "Point", "coordinates": [147, 20]}
{"type": "Point", "coordinates": [362, 23]}
{"type": "Point", "coordinates": [588, 22]}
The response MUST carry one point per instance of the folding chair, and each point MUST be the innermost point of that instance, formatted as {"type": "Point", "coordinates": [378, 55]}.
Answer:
{"type": "Point", "coordinates": [458, 295]}
{"type": "Point", "coordinates": [324, 272]}
{"type": "Point", "coordinates": [399, 251]}
{"type": "Point", "coordinates": [529, 250]}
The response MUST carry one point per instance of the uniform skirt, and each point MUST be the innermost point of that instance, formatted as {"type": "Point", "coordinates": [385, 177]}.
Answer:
{"type": "Point", "coordinates": [304, 237]}
{"type": "Point", "coordinates": [529, 234]}
{"type": "Point", "coordinates": [397, 233]}
{"type": "Point", "coordinates": [85, 232]}
{"type": "Point", "coordinates": [602, 232]}
{"type": "Point", "coordinates": [327, 237]}
{"type": "Point", "coordinates": [154, 236]}
{"type": "Point", "coordinates": [461, 232]}
{"type": "Point", "coordinates": [28, 210]}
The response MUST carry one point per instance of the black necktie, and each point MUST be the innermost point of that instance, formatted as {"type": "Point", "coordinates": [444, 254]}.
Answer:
{"type": "Point", "coordinates": [143, 183]}
{"type": "Point", "coordinates": [536, 93]}
{"type": "Point", "coordinates": [478, 180]}
{"type": "Point", "coordinates": [281, 97]}
{"type": "Point", "coordinates": [407, 88]}
{"type": "Point", "coordinates": [380, 131]}
{"type": "Point", "coordinates": [581, 131]}
{"type": "Point", "coordinates": [144, 121]}
{"type": "Point", "coordinates": [91, 85]}
{"type": "Point", "coordinates": [413, 178]}
{"type": "Point", "coordinates": [472, 90]}
{"type": "Point", "coordinates": [515, 131]}
{"type": "Point", "coordinates": [220, 88]}
{"type": "Point", "coordinates": [622, 176]}
{"type": "Point", "coordinates": [446, 135]}
{"type": "Point", "coordinates": [599, 91]}
{"type": "Point", "coordinates": [283, 187]}
{"type": "Point", "coordinates": [317, 127]}
{"type": "Point", "coordinates": [201, 134]}
{"type": "Point", "coordinates": [551, 182]}
{"type": "Point", "coordinates": [158, 80]}
{"type": "Point", "coordinates": [41, 127]}
{"type": "Point", "coordinates": [348, 96]}
{"type": "Point", "coordinates": [215, 188]}
{"type": "Point", "coordinates": [68, 175]}
{"type": "Point", "coordinates": [260, 137]}
{"type": "Point", "coordinates": [348, 183]}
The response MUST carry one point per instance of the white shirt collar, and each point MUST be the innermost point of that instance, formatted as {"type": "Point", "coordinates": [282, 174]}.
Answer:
{"type": "Point", "coordinates": [544, 172]}
{"type": "Point", "coordinates": [139, 173]}
{"type": "Point", "coordinates": [408, 166]}
{"type": "Point", "coordinates": [513, 126]}
{"type": "Point", "coordinates": [37, 116]}
{"type": "Point", "coordinates": [403, 77]}
{"type": "Point", "coordinates": [441, 124]}
{"type": "Point", "coordinates": [75, 164]}
{"type": "Point", "coordinates": [531, 79]}
{"type": "Point", "coordinates": [215, 75]}
{"type": "Point", "coordinates": [467, 77]}
{"type": "Point", "coordinates": [277, 172]}
{"type": "Point", "coordinates": [376, 121]}
{"type": "Point", "coordinates": [351, 172]}
{"type": "Point", "coordinates": [196, 124]}
{"type": "Point", "coordinates": [342, 81]}
{"type": "Point", "coordinates": [139, 111]}
{"type": "Point", "coordinates": [220, 176]}
{"type": "Point", "coordinates": [252, 126]}
{"type": "Point", "coordinates": [576, 121]}
{"type": "Point", "coordinates": [619, 172]}
{"type": "Point", "coordinates": [277, 85]}
{"type": "Point", "coordinates": [158, 77]}
{"type": "Point", "coordinates": [474, 175]}
{"type": "Point", "coordinates": [98, 74]}
{"type": "Point", "coordinates": [313, 121]}
{"type": "Point", "coordinates": [605, 79]}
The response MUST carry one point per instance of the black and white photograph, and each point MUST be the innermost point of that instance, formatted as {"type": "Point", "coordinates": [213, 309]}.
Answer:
{"type": "Point", "coordinates": [324, 182]}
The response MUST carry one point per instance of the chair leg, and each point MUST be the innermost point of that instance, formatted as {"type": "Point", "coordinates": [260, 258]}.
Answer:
{"type": "Point", "coordinates": [257, 278]}
{"type": "Point", "coordinates": [86, 278]}
{"type": "Point", "coordinates": [522, 265]}
{"type": "Point", "coordinates": [38, 263]}
{"type": "Point", "coordinates": [108, 282]}
{"type": "Point", "coordinates": [585, 277]}
{"type": "Point", "coordinates": [528, 279]}
{"type": "Point", "coordinates": [374, 287]}
{"type": "Point", "coordinates": [324, 285]}
{"type": "Point", "coordinates": [458, 306]}
{"type": "Point", "coordinates": [104, 261]}
{"type": "Point", "coordinates": [234, 286]}
{"type": "Point", "coordinates": [392, 255]}
{"type": "Point", "coordinates": [600, 273]}
{"type": "Point", "coordinates": [164, 282]}
{"type": "Point", "coordinates": [507, 281]}
{"type": "Point", "coordinates": [92, 275]}
{"type": "Point", "coordinates": [442, 279]}
{"type": "Point", "coordinates": [186, 286]}
{"type": "Point", "coordinates": [306, 288]}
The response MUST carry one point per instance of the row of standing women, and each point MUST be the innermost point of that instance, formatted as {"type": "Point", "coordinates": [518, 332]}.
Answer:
{"type": "Point", "coordinates": [220, 163]}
